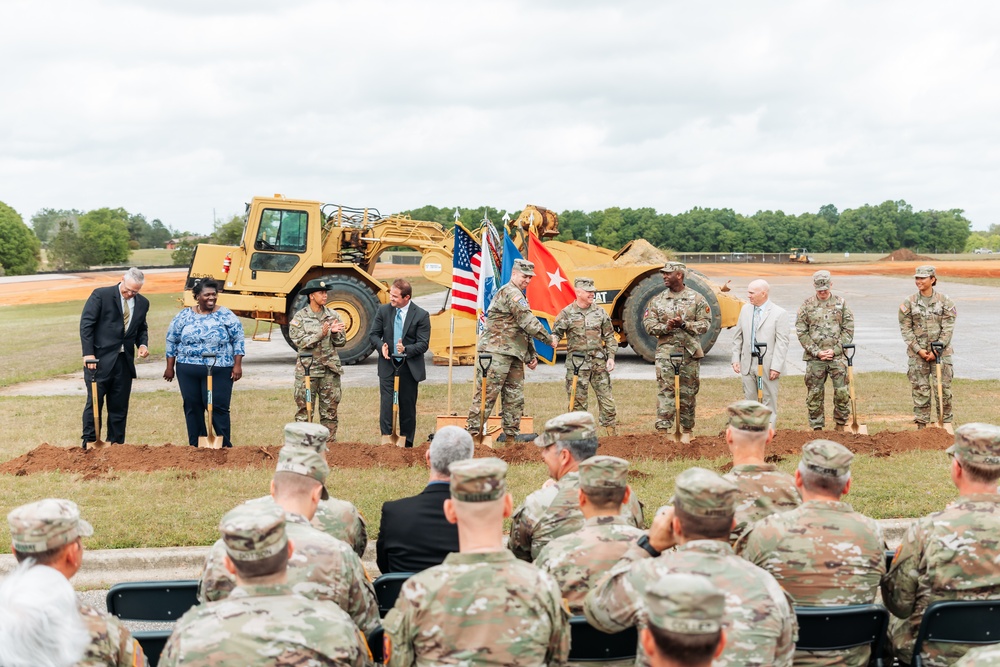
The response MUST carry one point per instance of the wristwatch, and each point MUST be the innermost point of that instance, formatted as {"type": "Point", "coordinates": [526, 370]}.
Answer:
{"type": "Point", "coordinates": [643, 543]}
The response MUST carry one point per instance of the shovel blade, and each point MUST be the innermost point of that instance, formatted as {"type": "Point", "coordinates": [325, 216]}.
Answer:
{"type": "Point", "coordinates": [210, 442]}
{"type": "Point", "coordinates": [484, 440]}
{"type": "Point", "coordinates": [398, 440]}
{"type": "Point", "coordinates": [100, 444]}
{"type": "Point", "coordinates": [859, 429]}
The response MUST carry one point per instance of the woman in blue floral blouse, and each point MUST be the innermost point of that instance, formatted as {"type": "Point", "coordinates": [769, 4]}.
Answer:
{"type": "Point", "coordinates": [207, 327]}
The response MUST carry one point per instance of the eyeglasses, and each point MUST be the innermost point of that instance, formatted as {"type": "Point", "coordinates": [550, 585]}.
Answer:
{"type": "Point", "coordinates": [129, 291]}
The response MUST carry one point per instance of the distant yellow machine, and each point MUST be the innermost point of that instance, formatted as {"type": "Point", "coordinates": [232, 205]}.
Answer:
{"type": "Point", "coordinates": [800, 256]}
{"type": "Point", "coordinates": [288, 242]}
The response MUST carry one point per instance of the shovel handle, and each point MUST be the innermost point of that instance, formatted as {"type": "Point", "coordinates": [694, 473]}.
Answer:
{"type": "Point", "coordinates": [577, 359]}
{"type": "Point", "coordinates": [937, 348]}
{"type": "Point", "coordinates": [485, 361]}
{"type": "Point", "coordinates": [675, 360]}
{"type": "Point", "coordinates": [212, 356]}
{"type": "Point", "coordinates": [306, 359]}
{"type": "Point", "coordinates": [91, 366]}
{"type": "Point", "coordinates": [849, 351]}
{"type": "Point", "coordinates": [760, 349]}
{"type": "Point", "coordinates": [397, 362]}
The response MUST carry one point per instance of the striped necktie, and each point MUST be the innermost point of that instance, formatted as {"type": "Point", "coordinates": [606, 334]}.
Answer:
{"type": "Point", "coordinates": [397, 332]}
{"type": "Point", "coordinates": [126, 313]}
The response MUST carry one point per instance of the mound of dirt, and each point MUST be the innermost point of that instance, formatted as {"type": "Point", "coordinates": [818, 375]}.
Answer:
{"type": "Point", "coordinates": [104, 463]}
{"type": "Point", "coordinates": [905, 255]}
{"type": "Point", "coordinates": [640, 253]}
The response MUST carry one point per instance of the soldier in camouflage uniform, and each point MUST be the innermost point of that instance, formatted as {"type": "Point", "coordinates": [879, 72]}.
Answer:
{"type": "Point", "coordinates": [983, 656]}
{"type": "Point", "coordinates": [686, 613]}
{"type": "Point", "coordinates": [953, 554]}
{"type": "Point", "coordinates": [589, 331]}
{"type": "Point", "coordinates": [554, 510]}
{"type": "Point", "coordinates": [322, 567]}
{"type": "Point", "coordinates": [335, 517]}
{"type": "Point", "coordinates": [760, 623]}
{"type": "Point", "coordinates": [579, 559]}
{"type": "Point", "coordinates": [50, 531]}
{"type": "Point", "coordinates": [263, 622]}
{"type": "Point", "coordinates": [824, 554]}
{"type": "Point", "coordinates": [481, 606]}
{"type": "Point", "coordinates": [320, 331]}
{"type": "Point", "coordinates": [510, 328]}
{"type": "Point", "coordinates": [677, 316]}
{"type": "Point", "coordinates": [762, 488]}
{"type": "Point", "coordinates": [924, 318]}
{"type": "Point", "coordinates": [825, 324]}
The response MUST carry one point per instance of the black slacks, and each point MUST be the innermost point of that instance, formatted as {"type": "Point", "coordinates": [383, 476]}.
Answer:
{"type": "Point", "coordinates": [192, 379]}
{"type": "Point", "coordinates": [114, 391]}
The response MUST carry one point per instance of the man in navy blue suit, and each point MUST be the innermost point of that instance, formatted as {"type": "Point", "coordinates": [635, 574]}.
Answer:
{"type": "Point", "coordinates": [400, 328]}
{"type": "Point", "coordinates": [414, 533]}
{"type": "Point", "coordinates": [112, 328]}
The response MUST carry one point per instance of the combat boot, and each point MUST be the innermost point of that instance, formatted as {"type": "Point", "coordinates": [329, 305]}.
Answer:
{"type": "Point", "coordinates": [817, 428]}
{"type": "Point", "coordinates": [611, 430]}
{"type": "Point", "coordinates": [921, 425]}
{"type": "Point", "coordinates": [686, 437]}
{"type": "Point", "coordinates": [839, 428]}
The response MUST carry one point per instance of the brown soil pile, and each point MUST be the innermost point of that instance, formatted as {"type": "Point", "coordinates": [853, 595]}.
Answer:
{"type": "Point", "coordinates": [905, 255]}
{"type": "Point", "coordinates": [640, 253]}
{"type": "Point", "coordinates": [103, 463]}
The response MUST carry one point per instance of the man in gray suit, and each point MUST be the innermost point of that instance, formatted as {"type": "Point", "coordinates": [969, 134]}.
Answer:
{"type": "Point", "coordinates": [761, 321]}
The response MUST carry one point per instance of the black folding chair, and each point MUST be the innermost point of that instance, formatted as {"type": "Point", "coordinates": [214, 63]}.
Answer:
{"type": "Point", "coordinates": [588, 644]}
{"type": "Point", "coordinates": [152, 643]}
{"type": "Point", "coordinates": [387, 590]}
{"type": "Point", "coordinates": [152, 600]}
{"type": "Point", "coordinates": [375, 644]}
{"type": "Point", "coordinates": [973, 622]}
{"type": "Point", "coordinates": [843, 627]}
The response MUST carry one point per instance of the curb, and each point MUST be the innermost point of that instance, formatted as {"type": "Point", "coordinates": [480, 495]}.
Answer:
{"type": "Point", "coordinates": [103, 568]}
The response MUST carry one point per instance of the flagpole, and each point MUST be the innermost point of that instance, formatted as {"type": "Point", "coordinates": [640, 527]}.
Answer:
{"type": "Point", "coordinates": [451, 357]}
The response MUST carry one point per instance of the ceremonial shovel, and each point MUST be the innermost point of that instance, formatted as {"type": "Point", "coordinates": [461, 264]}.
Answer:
{"type": "Point", "coordinates": [307, 361]}
{"type": "Point", "coordinates": [760, 349]}
{"type": "Point", "coordinates": [576, 359]}
{"type": "Point", "coordinates": [485, 361]}
{"type": "Point", "coordinates": [97, 444]}
{"type": "Point", "coordinates": [210, 441]}
{"type": "Point", "coordinates": [395, 438]}
{"type": "Point", "coordinates": [856, 428]}
{"type": "Point", "coordinates": [937, 348]}
{"type": "Point", "coordinates": [675, 360]}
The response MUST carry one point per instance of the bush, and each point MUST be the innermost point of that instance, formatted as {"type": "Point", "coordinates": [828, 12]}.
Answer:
{"type": "Point", "coordinates": [20, 249]}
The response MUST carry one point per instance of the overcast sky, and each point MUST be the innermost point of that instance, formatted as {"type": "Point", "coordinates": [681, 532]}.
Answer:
{"type": "Point", "coordinates": [179, 108]}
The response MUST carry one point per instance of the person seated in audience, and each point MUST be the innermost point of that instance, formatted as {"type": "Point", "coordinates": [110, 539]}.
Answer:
{"type": "Point", "coordinates": [414, 533]}
{"type": "Point", "coordinates": [685, 614]}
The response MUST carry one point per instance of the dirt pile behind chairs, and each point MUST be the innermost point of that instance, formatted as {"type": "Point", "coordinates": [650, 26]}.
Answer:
{"type": "Point", "coordinates": [103, 463]}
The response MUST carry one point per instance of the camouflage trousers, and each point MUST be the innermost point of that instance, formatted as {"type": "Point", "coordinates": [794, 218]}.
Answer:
{"type": "Point", "coordinates": [923, 380]}
{"type": "Point", "coordinates": [816, 373]}
{"type": "Point", "coordinates": [326, 396]}
{"type": "Point", "coordinates": [595, 376]}
{"type": "Point", "coordinates": [505, 378]}
{"type": "Point", "coordinates": [690, 383]}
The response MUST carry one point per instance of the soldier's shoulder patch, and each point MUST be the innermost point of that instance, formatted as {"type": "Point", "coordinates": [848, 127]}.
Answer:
{"type": "Point", "coordinates": [902, 307]}
{"type": "Point", "coordinates": [294, 322]}
{"type": "Point", "coordinates": [522, 302]}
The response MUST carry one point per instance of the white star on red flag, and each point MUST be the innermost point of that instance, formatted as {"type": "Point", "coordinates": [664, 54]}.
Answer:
{"type": "Point", "coordinates": [556, 279]}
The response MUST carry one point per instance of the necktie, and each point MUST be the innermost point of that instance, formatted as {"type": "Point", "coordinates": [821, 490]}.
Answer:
{"type": "Point", "coordinates": [126, 313]}
{"type": "Point", "coordinates": [397, 329]}
{"type": "Point", "coordinates": [753, 329]}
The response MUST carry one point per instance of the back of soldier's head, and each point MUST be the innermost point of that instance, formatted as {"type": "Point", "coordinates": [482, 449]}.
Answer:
{"type": "Point", "coordinates": [254, 538]}
{"type": "Point", "coordinates": [705, 504]}
{"type": "Point", "coordinates": [575, 432]}
{"type": "Point", "coordinates": [42, 530]}
{"type": "Point", "coordinates": [450, 444]}
{"type": "Point", "coordinates": [977, 450]}
{"type": "Point", "coordinates": [749, 424]}
{"type": "Point", "coordinates": [604, 480]}
{"type": "Point", "coordinates": [825, 467]}
{"type": "Point", "coordinates": [478, 489]}
{"type": "Point", "coordinates": [685, 614]}
{"type": "Point", "coordinates": [40, 624]}
{"type": "Point", "coordinates": [299, 471]}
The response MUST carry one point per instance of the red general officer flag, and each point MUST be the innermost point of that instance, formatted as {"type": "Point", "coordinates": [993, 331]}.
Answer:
{"type": "Point", "coordinates": [551, 290]}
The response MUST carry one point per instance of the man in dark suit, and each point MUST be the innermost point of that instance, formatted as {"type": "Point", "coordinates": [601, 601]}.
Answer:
{"type": "Point", "coordinates": [400, 328]}
{"type": "Point", "coordinates": [414, 533]}
{"type": "Point", "coordinates": [112, 326]}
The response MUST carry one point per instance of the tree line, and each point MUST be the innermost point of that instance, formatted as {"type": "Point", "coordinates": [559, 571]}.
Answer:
{"type": "Point", "coordinates": [881, 228]}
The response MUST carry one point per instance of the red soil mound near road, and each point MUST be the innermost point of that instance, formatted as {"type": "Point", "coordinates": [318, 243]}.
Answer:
{"type": "Point", "coordinates": [905, 255]}
{"type": "Point", "coordinates": [98, 464]}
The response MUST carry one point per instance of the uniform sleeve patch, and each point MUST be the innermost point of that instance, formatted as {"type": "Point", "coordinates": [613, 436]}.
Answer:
{"type": "Point", "coordinates": [294, 322]}
{"type": "Point", "coordinates": [523, 302]}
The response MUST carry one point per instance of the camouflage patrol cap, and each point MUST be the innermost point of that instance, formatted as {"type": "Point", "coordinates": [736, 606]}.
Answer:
{"type": "Point", "coordinates": [304, 461]}
{"type": "Point", "coordinates": [670, 267]}
{"type": "Point", "coordinates": [315, 285]}
{"type": "Point", "coordinates": [826, 457]}
{"type": "Point", "coordinates": [821, 280]}
{"type": "Point", "coordinates": [568, 427]}
{"type": "Point", "coordinates": [46, 524]}
{"type": "Point", "coordinates": [603, 472]}
{"type": "Point", "coordinates": [308, 435]}
{"type": "Point", "coordinates": [925, 271]}
{"type": "Point", "coordinates": [478, 480]}
{"type": "Point", "coordinates": [254, 532]}
{"type": "Point", "coordinates": [688, 604]}
{"type": "Point", "coordinates": [749, 416]}
{"type": "Point", "coordinates": [702, 492]}
{"type": "Point", "coordinates": [585, 284]}
{"type": "Point", "coordinates": [978, 444]}
{"type": "Point", "coordinates": [524, 266]}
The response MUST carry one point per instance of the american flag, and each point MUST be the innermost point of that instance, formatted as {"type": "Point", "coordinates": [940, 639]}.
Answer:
{"type": "Point", "coordinates": [465, 273]}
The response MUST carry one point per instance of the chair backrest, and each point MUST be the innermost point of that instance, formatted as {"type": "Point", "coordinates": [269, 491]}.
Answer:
{"type": "Point", "coordinates": [837, 628]}
{"type": "Point", "coordinates": [588, 644]}
{"type": "Point", "coordinates": [387, 590]}
{"type": "Point", "coordinates": [152, 600]}
{"type": "Point", "coordinates": [375, 644]}
{"type": "Point", "coordinates": [958, 622]}
{"type": "Point", "coordinates": [152, 643]}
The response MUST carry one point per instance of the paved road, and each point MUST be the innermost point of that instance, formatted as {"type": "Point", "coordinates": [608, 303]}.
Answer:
{"type": "Point", "coordinates": [874, 299]}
